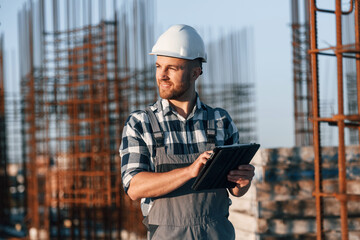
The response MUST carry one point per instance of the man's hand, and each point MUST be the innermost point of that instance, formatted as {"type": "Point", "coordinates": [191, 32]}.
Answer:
{"type": "Point", "coordinates": [154, 184]}
{"type": "Point", "coordinates": [199, 163]}
{"type": "Point", "coordinates": [242, 176]}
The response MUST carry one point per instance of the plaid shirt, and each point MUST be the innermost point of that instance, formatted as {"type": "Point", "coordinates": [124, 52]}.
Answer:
{"type": "Point", "coordinates": [182, 136]}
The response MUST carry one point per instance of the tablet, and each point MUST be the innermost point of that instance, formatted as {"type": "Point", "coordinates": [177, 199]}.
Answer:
{"type": "Point", "coordinates": [223, 160]}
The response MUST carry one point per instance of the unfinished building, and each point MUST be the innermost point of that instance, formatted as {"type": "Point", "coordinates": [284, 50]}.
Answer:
{"type": "Point", "coordinates": [229, 80]}
{"type": "Point", "coordinates": [82, 73]}
{"type": "Point", "coordinates": [301, 72]}
{"type": "Point", "coordinates": [327, 95]}
{"type": "Point", "coordinates": [77, 93]}
{"type": "Point", "coordinates": [5, 199]}
{"type": "Point", "coordinates": [343, 118]}
{"type": "Point", "coordinates": [302, 76]}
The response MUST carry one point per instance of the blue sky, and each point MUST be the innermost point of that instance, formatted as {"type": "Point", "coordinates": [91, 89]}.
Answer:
{"type": "Point", "coordinates": [270, 21]}
{"type": "Point", "coordinates": [271, 24]}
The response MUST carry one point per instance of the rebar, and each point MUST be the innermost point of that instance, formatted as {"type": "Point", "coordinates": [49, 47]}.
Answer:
{"type": "Point", "coordinates": [229, 82]}
{"type": "Point", "coordinates": [339, 119]}
{"type": "Point", "coordinates": [81, 76]}
{"type": "Point", "coordinates": [76, 100]}
{"type": "Point", "coordinates": [301, 75]}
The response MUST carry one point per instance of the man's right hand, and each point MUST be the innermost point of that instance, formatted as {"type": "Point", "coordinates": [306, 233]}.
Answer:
{"type": "Point", "coordinates": [199, 163]}
{"type": "Point", "coordinates": [153, 184]}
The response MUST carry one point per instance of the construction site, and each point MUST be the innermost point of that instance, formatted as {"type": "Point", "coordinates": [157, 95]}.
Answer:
{"type": "Point", "coordinates": [85, 67]}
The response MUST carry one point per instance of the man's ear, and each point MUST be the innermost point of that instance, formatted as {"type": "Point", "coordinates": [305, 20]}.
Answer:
{"type": "Point", "coordinates": [196, 72]}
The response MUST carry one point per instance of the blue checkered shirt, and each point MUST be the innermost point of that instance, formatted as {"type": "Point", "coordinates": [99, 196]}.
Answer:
{"type": "Point", "coordinates": [182, 136]}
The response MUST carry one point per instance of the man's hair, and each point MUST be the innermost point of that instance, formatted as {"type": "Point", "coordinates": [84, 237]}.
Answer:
{"type": "Point", "coordinates": [197, 62]}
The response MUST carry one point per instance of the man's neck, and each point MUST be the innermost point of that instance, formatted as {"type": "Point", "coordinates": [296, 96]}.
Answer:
{"type": "Point", "coordinates": [184, 108]}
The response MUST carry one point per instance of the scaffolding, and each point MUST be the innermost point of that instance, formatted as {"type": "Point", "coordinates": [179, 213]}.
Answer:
{"type": "Point", "coordinates": [348, 34]}
{"type": "Point", "coordinates": [229, 80]}
{"type": "Point", "coordinates": [301, 74]}
{"type": "Point", "coordinates": [77, 93]}
{"type": "Point", "coordinates": [12, 190]}
{"type": "Point", "coordinates": [4, 189]}
{"type": "Point", "coordinates": [342, 119]}
{"type": "Point", "coordinates": [82, 73]}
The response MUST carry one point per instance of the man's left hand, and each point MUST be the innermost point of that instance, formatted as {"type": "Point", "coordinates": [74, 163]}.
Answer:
{"type": "Point", "coordinates": [242, 176]}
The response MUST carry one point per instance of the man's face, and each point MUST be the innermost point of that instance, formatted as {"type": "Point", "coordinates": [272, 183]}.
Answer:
{"type": "Point", "coordinates": [173, 77]}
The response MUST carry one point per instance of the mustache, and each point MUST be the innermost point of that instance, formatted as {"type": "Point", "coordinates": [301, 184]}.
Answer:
{"type": "Point", "coordinates": [164, 81]}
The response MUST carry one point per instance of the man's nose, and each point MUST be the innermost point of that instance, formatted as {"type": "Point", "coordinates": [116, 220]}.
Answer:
{"type": "Point", "coordinates": [163, 74]}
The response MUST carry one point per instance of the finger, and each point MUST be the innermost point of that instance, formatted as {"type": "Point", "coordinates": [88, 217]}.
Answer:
{"type": "Point", "coordinates": [240, 176]}
{"type": "Point", "coordinates": [235, 178]}
{"type": "Point", "coordinates": [204, 159]}
{"type": "Point", "coordinates": [241, 173]}
{"type": "Point", "coordinates": [239, 179]}
{"type": "Point", "coordinates": [248, 167]}
{"type": "Point", "coordinates": [241, 182]}
{"type": "Point", "coordinates": [208, 153]}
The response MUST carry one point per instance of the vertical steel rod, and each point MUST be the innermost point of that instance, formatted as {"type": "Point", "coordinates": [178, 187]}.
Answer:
{"type": "Point", "coordinates": [316, 123]}
{"type": "Point", "coordinates": [357, 45]}
{"type": "Point", "coordinates": [341, 124]}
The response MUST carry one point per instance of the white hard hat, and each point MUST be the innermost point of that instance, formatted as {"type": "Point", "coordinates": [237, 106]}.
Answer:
{"type": "Point", "coordinates": [180, 41]}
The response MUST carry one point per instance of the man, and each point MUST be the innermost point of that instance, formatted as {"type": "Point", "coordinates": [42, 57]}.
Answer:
{"type": "Point", "coordinates": [164, 148]}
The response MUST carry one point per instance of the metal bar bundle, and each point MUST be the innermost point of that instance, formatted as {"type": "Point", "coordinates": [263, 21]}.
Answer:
{"type": "Point", "coordinates": [341, 120]}
{"type": "Point", "coordinates": [4, 190]}
{"type": "Point", "coordinates": [77, 93]}
{"type": "Point", "coordinates": [301, 75]}
{"type": "Point", "coordinates": [229, 82]}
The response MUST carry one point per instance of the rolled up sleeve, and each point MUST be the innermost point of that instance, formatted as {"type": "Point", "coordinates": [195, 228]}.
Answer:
{"type": "Point", "coordinates": [134, 152]}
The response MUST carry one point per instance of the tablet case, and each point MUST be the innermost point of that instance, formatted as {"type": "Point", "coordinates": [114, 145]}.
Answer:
{"type": "Point", "coordinates": [224, 158]}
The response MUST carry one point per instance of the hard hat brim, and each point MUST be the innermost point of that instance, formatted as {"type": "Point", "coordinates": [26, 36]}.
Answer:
{"type": "Point", "coordinates": [174, 55]}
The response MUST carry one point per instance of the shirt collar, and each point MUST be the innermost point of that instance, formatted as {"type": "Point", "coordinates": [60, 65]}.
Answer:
{"type": "Point", "coordinates": [166, 108]}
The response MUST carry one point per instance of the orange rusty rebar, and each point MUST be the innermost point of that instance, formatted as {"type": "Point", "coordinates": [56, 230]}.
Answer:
{"type": "Point", "coordinates": [340, 124]}
{"type": "Point", "coordinates": [357, 55]}
{"type": "Point", "coordinates": [340, 120]}
{"type": "Point", "coordinates": [316, 124]}
{"type": "Point", "coordinates": [77, 97]}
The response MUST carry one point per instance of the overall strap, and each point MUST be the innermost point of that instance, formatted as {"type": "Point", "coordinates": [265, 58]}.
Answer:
{"type": "Point", "coordinates": [157, 133]}
{"type": "Point", "coordinates": [211, 130]}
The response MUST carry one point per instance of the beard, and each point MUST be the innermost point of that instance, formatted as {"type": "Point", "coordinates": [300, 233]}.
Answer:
{"type": "Point", "coordinates": [174, 92]}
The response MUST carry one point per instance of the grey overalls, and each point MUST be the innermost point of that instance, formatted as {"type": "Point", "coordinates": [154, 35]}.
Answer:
{"type": "Point", "coordinates": [185, 213]}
